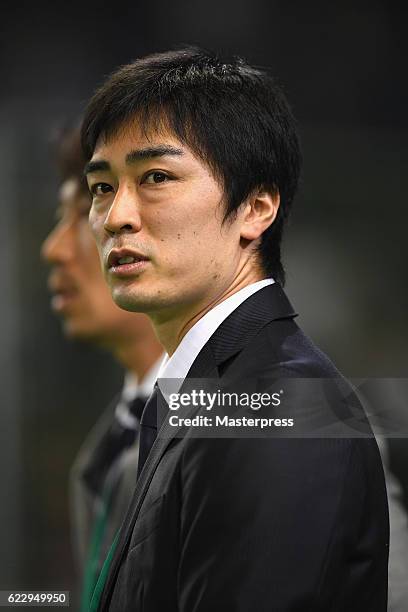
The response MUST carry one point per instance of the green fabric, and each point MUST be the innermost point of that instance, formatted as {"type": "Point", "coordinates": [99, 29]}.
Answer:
{"type": "Point", "coordinates": [93, 580]}
{"type": "Point", "coordinates": [94, 605]}
{"type": "Point", "coordinates": [92, 563]}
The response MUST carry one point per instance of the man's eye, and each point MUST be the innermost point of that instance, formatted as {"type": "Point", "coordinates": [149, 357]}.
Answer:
{"type": "Point", "coordinates": [98, 189]}
{"type": "Point", "coordinates": [153, 178]}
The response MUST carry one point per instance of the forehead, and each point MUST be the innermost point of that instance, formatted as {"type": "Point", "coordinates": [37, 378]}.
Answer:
{"type": "Point", "coordinates": [72, 194]}
{"type": "Point", "coordinates": [69, 190]}
{"type": "Point", "coordinates": [131, 136]}
{"type": "Point", "coordinates": [129, 145]}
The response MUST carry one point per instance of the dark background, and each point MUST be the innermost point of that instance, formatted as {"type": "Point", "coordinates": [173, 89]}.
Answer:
{"type": "Point", "coordinates": [343, 66]}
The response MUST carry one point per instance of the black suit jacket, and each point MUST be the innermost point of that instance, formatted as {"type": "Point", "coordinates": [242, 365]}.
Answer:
{"type": "Point", "coordinates": [255, 525]}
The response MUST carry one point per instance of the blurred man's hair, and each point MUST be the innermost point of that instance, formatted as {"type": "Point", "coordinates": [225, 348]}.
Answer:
{"type": "Point", "coordinates": [233, 116]}
{"type": "Point", "coordinates": [69, 155]}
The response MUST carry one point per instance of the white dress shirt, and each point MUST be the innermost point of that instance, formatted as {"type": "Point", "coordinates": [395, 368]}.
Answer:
{"type": "Point", "coordinates": [133, 389]}
{"type": "Point", "coordinates": [178, 365]}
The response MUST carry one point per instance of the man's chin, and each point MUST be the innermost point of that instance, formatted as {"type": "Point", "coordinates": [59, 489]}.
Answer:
{"type": "Point", "coordinates": [133, 302]}
{"type": "Point", "coordinates": [82, 331]}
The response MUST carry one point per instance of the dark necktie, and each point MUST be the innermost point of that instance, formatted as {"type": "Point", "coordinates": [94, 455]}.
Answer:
{"type": "Point", "coordinates": [98, 476]}
{"type": "Point", "coordinates": [136, 406]}
{"type": "Point", "coordinates": [148, 428]}
{"type": "Point", "coordinates": [114, 442]}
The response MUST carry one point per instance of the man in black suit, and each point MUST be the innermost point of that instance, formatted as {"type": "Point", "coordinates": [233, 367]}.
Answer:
{"type": "Point", "coordinates": [193, 166]}
{"type": "Point", "coordinates": [104, 472]}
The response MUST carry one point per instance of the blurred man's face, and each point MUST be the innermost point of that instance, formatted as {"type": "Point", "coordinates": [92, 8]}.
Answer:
{"type": "Point", "coordinates": [157, 216]}
{"type": "Point", "coordinates": [80, 294]}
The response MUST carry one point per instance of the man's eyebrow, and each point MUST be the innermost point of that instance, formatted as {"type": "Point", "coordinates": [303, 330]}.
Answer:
{"type": "Point", "coordinates": [134, 156]}
{"type": "Point", "coordinates": [148, 152]}
{"type": "Point", "coordinates": [96, 166]}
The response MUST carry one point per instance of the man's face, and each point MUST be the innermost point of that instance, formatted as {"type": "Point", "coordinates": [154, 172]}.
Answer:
{"type": "Point", "coordinates": [80, 294]}
{"type": "Point", "coordinates": [157, 216]}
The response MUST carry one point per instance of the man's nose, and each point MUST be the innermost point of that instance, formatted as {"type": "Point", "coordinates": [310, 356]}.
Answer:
{"type": "Point", "coordinates": [124, 213]}
{"type": "Point", "coordinates": [57, 247]}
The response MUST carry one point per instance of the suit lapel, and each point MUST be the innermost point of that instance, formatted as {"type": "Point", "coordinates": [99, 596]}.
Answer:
{"type": "Point", "coordinates": [203, 366]}
{"type": "Point", "coordinates": [236, 331]}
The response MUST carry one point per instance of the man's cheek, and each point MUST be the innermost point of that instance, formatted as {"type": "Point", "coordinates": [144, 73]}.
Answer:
{"type": "Point", "coordinates": [92, 219]}
{"type": "Point", "coordinates": [95, 224]}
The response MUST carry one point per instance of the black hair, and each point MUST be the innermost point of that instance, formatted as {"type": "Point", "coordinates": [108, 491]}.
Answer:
{"type": "Point", "coordinates": [69, 154]}
{"type": "Point", "coordinates": [232, 115]}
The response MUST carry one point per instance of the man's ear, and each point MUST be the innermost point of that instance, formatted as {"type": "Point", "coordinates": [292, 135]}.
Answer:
{"type": "Point", "coordinates": [259, 213]}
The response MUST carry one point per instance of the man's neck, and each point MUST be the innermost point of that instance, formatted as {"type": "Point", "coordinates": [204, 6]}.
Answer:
{"type": "Point", "coordinates": [138, 355]}
{"type": "Point", "coordinates": [171, 330]}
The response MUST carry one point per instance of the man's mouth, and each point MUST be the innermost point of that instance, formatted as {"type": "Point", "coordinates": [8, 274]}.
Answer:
{"type": "Point", "coordinates": [124, 262]}
{"type": "Point", "coordinates": [61, 301]}
{"type": "Point", "coordinates": [64, 290]}
{"type": "Point", "coordinates": [62, 298]}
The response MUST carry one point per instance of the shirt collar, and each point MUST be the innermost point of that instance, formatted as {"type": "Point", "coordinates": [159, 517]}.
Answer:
{"type": "Point", "coordinates": [132, 389]}
{"type": "Point", "coordinates": [178, 365]}
{"type": "Point", "coordinates": [131, 386]}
